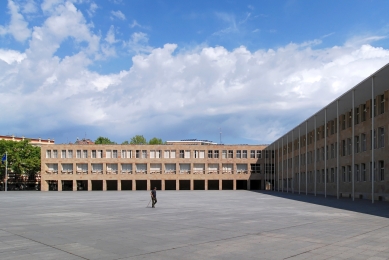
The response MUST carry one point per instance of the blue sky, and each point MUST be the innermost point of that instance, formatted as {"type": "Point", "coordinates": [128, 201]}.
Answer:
{"type": "Point", "coordinates": [180, 69]}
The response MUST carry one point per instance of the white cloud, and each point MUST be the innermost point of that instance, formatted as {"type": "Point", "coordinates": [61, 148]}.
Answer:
{"type": "Point", "coordinates": [169, 93]}
{"type": "Point", "coordinates": [29, 7]}
{"type": "Point", "coordinates": [118, 14]}
{"type": "Point", "coordinates": [92, 9]}
{"type": "Point", "coordinates": [18, 27]}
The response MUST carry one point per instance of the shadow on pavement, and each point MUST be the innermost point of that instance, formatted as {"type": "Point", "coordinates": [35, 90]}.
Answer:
{"type": "Point", "coordinates": [379, 208]}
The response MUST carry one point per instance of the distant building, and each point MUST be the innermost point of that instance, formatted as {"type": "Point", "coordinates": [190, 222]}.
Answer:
{"type": "Point", "coordinates": [84, 141]}
{"type": "Point", "coordinates": [33, 141]}
{"type": "Point", "coordinates": [192, 142]}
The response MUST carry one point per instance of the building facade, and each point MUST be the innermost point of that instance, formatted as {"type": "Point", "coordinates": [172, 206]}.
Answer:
{"type": "Point", "coordinates": [33, 141]}
{"type": "Point", "coordinates": [175, 166]}
{"type": "Point", "coordinates": [343, 149]}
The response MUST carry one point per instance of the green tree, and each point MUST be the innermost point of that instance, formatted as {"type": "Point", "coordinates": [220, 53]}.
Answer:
{"type": "Point", "coordinates": [103, 140]}
{"type": "Point", "coordinates": [138, 139]}
{"type": "Point", "coordinates": [22, 157]}
{"type": "Point", "coordinates": [155, 140]}
{"type": "Point", "coordinates": [126, 142]}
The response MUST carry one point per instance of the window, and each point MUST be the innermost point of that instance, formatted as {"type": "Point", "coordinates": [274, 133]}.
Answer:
{"type": "Point", "coordinates": [173, 154]}
{"type": "Point", "coordinates": [115, 154]}
{"type": "Point", "coordinates": [216, 154]}
{"type": "Point", "coordinates": [182, 155]}
{"type": "Point", "coordinates": [356, 119]}
{"type": "Point", "coordinates": [137, 154]}
{"type": "Point", "coordinates": [210, 154]}
{"type": "Point", "coordinates": [332, 151]}
{"type": "Point", "coordinates": [349, 173]}
{"type": "Point", "coordinates": [108, 154]}
{"type": "Point", "coordinates": [349, 124]}
{"type": "Point", "coordinates": [382, 104]}
{"type": "Point", "coordinates": [375, 107]}
{"type": "Point", "coordinates": [70, 153]}
{"type": "Point", "coordinates": [144, 154]}
{"type": "Point", "coordinates": [364, 111]}
{"type": "Point", "coordinates": [166, 154]}
{"type": "Point", "coordinates": [259, 154]}
{"type": "Point", "coordinates": [52, 167]}
{"type": "Point", "coordinates": [224, 154]}
{"type": "Point", "coordinates": [93, 154]}
{"type": "Point", "coordinates": [343, 147]}
{"type": "Point", "coordinates": [363, 142]}
{"type": "Point", "coordinates": [244, 154]}
{"type": "Point", "coordinates": [322, 153]}
{"type": "Point", "coordinates": [255, 168]}
{"type": "Point", "coordinates": [152, 154]}
{"type": "Point", "coordinates": [55, 154]}
{"type": "Point", "coordinates": [48, 153]}
{"type": "Point", "coordinates": [112, 168]}
{"type": "Point", "coordinates": [252, 154]}
{"type": "Point", "coordinates": [187, 154]}
{"type": "Point", "coordinates": [78, 154]}
{"type": "Point", "coordinates": [381, 166]}
{"type": "Point", "coordinates": [343, 122]}
{"type": "Point", "coordinates": [126, 167]}
{"type": "Point", "coordinates": [332, 175]}
{"type": "Point", "coordinates": [349, 146]}
{"type": "Point", "coordinates": [126, 154]}
{"type": "Point", "coordinates": [356, 141]}
{"type": "Point", "coordinates": [363, 172]}
{"type": "Point", "coordinates": [63, 154]}
{"type": "Point", "coordinates": [199, 154]}
{"type": "Point", "coordinates": [373, 170]}
{"type": "Point", "coordinates": [230, 154]}
{"type": "Point", "coordinates": [381, 137]}
{"type": "Point", "coordinates": [99, 153]}
{"type": "Point", "coordinates": [374, 138]}
{"type": "Point", "coordinates": [238, 154]}
{"type": "Point", "coordinates": [343, 173]}
{"type": "Point", "coordinates": [356, 172]}
{"type": "Point", "coordinates": [332, 127]}
{"type": "Point", "coordinates": [97, 167]}
{"type": "Point", "coordinates": [83, 167]}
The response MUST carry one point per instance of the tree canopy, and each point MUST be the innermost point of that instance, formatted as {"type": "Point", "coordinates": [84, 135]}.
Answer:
{"type": "Point", "coordinates": [138, 139]}
{"type": "Point", "coordinates": [103, 140]}
{"type": "Point", "coordinates": [126, 142]}
{"type": "Point", "coordinates": [155, 140]}
{"type": "Point", "coordinates": [22, 157]}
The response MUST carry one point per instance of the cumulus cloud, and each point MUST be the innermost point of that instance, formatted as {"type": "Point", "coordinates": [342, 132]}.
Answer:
{"type": "Point", "coordinates": [118, 14]}
{"type": "Point", "coordinates": [18, 27]}
{"type": "Point", "coordinates": [168, 92]}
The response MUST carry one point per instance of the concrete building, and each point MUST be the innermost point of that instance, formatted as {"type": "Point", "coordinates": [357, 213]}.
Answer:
{"type": "Point", "coordinates": [190, 165]}
{"type": "Point", "coordinates": [343, 149]}
{"type": "Point", "coordinates": [33, 141]}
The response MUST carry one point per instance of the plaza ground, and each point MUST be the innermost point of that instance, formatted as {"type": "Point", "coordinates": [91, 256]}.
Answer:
{"type": "Point", "coordinates": [190, 225]}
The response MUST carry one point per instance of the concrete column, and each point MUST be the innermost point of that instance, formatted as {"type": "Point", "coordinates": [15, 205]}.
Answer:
{"type": "Point", "coordinates": [220, 184]}
{"type": "Point", "coordinates": [162, 184]}
{"type": "Point", "coordinates": [248, 184]}
{"type": "Point", "coordinates": [104, 185]}
{"type": "Point", "coordinates": [353, 145]}
{"type": "Point", "coordinates": [74, 185]}
{"type": "Point", "coordinates": [315, 158]}
{"type": "Point", "coordinates": [337, 149]}
{"type": "Point", "coordinates": [325, 153]}
{"type": "Point", "coordinates": [44, 185]}
{"type": "Point", "coordinates": [148, 185]}
{"type": "Point", "coordinates": [119, 184]}
{"type": "Point", "coordinates": [191, 184]}
{"type": "Point", "coordinates": [133, 184]}
{"type": "Point", "coordinates": [372, 139]}
{"type": "Point", "coordinates": [89, 185]}
{"type": "Point", "coordinates": [234, 184]}
{"type": "Point", "coordinates": [206, 184]}
{"type": "Point", "coordinates": [177, 184]}
{"type": "Point", "coordinates": [59, 184]}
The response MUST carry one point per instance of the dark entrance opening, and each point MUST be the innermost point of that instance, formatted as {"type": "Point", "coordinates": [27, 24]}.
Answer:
{"type": "Point", "coordinates": [156, 183]}
{"type": "Point", "coordinates": [127, 185]}
{"type": "Point", "coordinates": [170, 185]}
{"type": "Point", "coordinates": [97, 185]}
{"type": "Point", "coordinates": [184, 184]}
{"type": "Point", "coordinates": [255, 184]}
{"type": "Point", "coordinates": [141, 185]}
{"type": "Point", "coordinates": [213, 184]}
{"type": "Point", "coordinates": [227, 184]}
{"type": "Point", "coordinates": [82, 185]}
{"type": "Point", "coordinates": [53, 185]}
{"type": "Point", "coordinates": [241, 185]}
{"type": "Point", "coordinates": [112, 185]}
{"type": "Point", "coordinates": [199, 184]}
{"type": "Point", "coordinates": [67, 185]}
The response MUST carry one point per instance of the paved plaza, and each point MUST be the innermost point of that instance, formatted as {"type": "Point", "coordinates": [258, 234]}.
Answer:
{"type": "Point", "coordinates": [190, 225]}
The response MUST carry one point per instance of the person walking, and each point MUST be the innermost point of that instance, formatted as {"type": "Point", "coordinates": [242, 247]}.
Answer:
{"type": "Point", "coordinates": [153, 194]}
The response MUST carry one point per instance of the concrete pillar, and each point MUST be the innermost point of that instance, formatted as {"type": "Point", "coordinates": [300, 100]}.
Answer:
{"type": "Point", "coordinates": [205, 184]}
{"type": "Point", "coordinates": [191, 184]}
{"type": "Point", "coordinates": [119, 184]}
{"type": "Point", "coordinates": [133, 184]}
{"type": "Point", "coordinates": [148, 185]}
{"type": "Point", "coordinates": [74, 185]}
{"type": "Point", "coordinates": [234, 184]}
{"type": "Point", "coordinates": [44, 185]}
{"type": "Point", "coordinates": [59, 184]}
{"type": "Point", "coordinates": [89, 185]}
{"type": "Point", "coordinates": [220, 184]}
{"type": "Point", "coordinates": [104, 185]}
{"type": "Point", "coordinates": [162, 184]}
{"type": "Point", "coordinates": [372, 139]}
{"type": "Point", "coordinates": [177, 184]}
{"type": "Point", "coordinates": [353, 145]}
